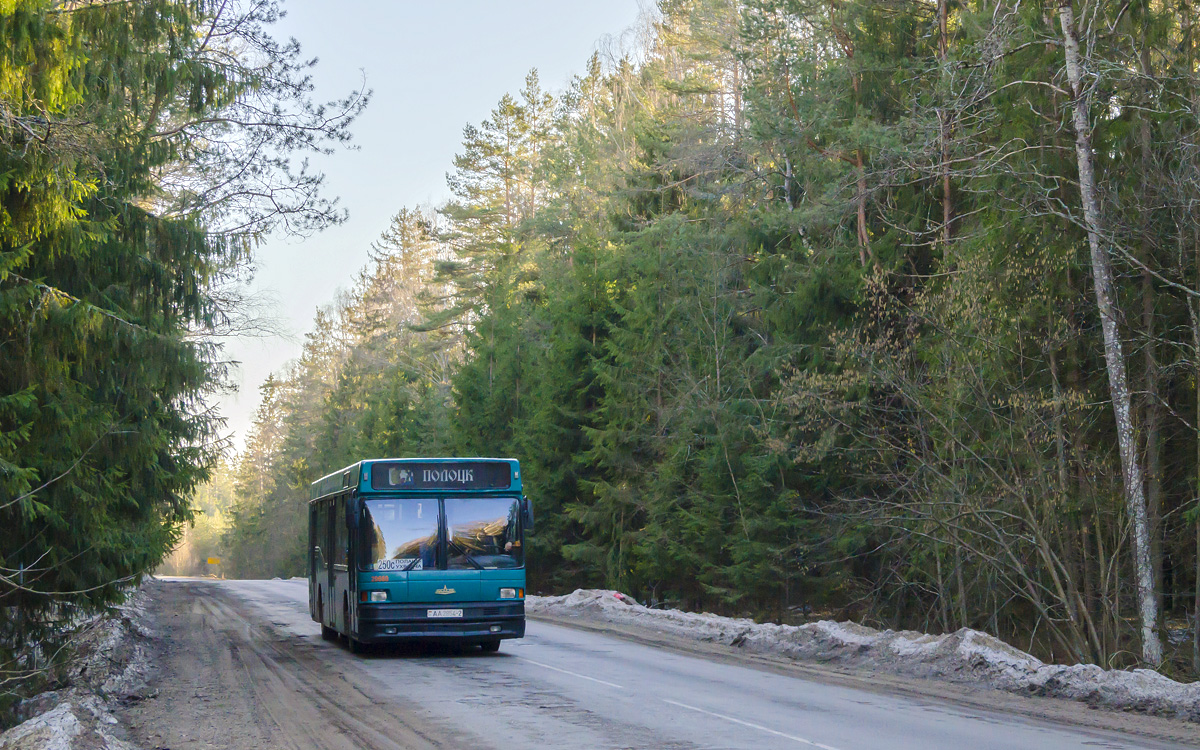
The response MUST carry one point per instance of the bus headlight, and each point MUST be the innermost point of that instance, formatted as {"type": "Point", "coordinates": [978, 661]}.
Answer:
{"type": "Point", "coordinates": [511, 593]}
{"type": "Point", "coordinates": [378, 596]}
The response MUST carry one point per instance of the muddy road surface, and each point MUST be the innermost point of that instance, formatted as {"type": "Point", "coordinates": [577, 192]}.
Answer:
{"type": "Point", "coordinates": [240, 665]}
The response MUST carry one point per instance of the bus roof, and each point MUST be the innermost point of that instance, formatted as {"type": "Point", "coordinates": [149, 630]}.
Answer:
{"type": "Point", "coordinates": [422, 475]}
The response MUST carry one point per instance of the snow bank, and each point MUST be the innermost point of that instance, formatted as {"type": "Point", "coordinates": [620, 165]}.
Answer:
{"type": "Point", "coordinates": [80, 721]}
{"type": "Point", "coordinates": [111, 664]}
{"type": "Point", "coordinates": [965, 656]}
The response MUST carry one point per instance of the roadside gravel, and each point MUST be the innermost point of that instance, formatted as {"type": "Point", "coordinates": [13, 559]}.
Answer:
{"type": "Point", "coordinates": [230, 675]}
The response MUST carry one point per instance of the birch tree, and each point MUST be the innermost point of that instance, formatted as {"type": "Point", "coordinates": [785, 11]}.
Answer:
{"type": "Point", "coordinates": [1118, 381]}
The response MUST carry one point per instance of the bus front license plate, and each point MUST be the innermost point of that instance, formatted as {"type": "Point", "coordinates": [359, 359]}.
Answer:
{"type": "Point", "coordinates": [445, 613]}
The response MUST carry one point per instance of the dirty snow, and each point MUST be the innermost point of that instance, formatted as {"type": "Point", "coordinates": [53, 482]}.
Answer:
{"type": "Point", "coordinates": [965, 656]}
{"type": "Point", "coordinates": [111, 665]}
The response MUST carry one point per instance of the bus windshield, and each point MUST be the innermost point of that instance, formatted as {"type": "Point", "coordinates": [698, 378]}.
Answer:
{"type": "Point", "coordinates": [483, 532]}
{"type": "Point", "coordinates": [399, 534]}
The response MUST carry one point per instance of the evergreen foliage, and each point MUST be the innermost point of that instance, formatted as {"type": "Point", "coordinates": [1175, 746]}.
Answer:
{"type": "Point", "coordinates": [790, 311]}
{"type": "Point", "coordinates": [143, 147]}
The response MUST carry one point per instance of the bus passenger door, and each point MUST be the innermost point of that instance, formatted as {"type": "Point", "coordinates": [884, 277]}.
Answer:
{"type": "Point", "coordinates": [311, 568]}
{"type": "Point", "coordinates": [320, 562]}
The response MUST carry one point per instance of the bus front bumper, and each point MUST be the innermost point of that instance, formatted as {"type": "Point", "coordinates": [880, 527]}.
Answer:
{"type": "Point", "coordinates": [480, 621]}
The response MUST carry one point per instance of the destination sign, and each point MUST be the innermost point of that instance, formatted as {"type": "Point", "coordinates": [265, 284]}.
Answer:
{"type": "Point", "coordinates": [476, 475]}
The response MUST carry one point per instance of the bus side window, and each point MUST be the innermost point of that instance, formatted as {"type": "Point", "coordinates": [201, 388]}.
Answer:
{"type": "Point", "coordinates": [320, 537]}
{"type": "Point", "coordinates": [326, 535]}
{"type": "Point", "coordinates": [328, 526]}
{"type": "Point", "coordinates": [341, 537]}
{"type": "Point", "coordinates": [314, 536]}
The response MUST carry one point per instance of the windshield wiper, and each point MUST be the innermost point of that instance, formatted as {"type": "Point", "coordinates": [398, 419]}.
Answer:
{"type": "Point", "coordinates": [466, 554]}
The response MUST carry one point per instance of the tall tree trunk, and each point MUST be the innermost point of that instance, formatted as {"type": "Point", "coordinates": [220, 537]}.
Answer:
{"type": "Point", "coordinates": [1131, 469]}
{"type": "Point", "coordinates": [787, 184]}
{"type": "Point", "coordinates": [864, 237]}
{"type": "Point", "coordinates": [1196, 602]}
{"type": "Point", "coordinates": [1152, 416]}
{"type": "Point", "coordinates": [1189, 50]}
{"type": "Point", "coordinates": [942, 596]}
{"type": "Point", "coordinates": [1152, 422]}
{"type": "Point", "coordinates": [1194, 311]}
{"type": "Point", "coordinates": [963, 620]}
{"type": "Point", "coordinates": [737, 101]}
{"type": "Point", "coordinates": [944, 127]}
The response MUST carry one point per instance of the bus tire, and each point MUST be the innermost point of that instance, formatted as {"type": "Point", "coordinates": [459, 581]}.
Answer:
{"type": "Point", "coordinates": [490, 647]}
{"type": "Point", "coordinates": [356, 646]}
{"type": "Point", "coordinates": [328, 633]}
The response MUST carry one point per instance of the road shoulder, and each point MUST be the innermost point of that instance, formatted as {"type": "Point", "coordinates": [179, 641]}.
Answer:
{"type": "Point", "coordinates": [225, 678]}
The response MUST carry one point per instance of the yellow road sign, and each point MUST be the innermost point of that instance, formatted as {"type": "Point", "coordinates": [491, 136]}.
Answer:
{"type": "Point", "coordinates": [214, 561]}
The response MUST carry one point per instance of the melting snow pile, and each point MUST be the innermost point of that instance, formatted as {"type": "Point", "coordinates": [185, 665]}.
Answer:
{"type": "Point", "coordinates": [111, 665]}
{"type": "Point", "coordinates": [966, 656]}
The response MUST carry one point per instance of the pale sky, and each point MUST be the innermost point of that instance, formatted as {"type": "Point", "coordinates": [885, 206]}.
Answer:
{"type": "Point", "coordinates": [434, 65]}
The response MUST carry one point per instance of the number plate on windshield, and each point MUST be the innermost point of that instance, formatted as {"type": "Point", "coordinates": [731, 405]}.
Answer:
{"type": "Point", "coordinates": [445, 613]}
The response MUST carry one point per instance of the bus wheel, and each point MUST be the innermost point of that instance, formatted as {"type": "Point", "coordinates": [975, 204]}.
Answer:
{"type": "Point", "coordinates": [356, 646]}
{"type": "Point", "coordinates": [328, 633]}
{"type": "Point", "coordinates": [490, 647]}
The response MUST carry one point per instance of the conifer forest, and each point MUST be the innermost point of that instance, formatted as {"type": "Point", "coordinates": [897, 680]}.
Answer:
{"type": "Point", "coordinates": [881, 310]}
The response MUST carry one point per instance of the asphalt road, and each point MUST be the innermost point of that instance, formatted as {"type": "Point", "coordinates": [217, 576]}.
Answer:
{"type": "Point", "coordinates": [559, 687]}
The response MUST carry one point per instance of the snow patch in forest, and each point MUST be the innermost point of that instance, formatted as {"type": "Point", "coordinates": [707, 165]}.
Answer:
{"type": "Point", "coordinates": [964, 656]}
{"type": "Point", "coordinates": [111, 664]}
{"type": "Point", "coordinates": [54, 730]}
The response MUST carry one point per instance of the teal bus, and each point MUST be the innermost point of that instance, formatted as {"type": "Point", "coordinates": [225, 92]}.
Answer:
{"type": "Point", "coordinates": [429, 549]}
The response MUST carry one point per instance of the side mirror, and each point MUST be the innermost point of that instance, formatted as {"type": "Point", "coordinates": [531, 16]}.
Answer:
{"type": "Point", "coordinates": [527, 513]}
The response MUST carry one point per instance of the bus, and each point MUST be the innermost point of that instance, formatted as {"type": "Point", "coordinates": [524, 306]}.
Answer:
{"type": "Point", "coordinates": [430, 549]}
